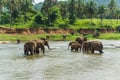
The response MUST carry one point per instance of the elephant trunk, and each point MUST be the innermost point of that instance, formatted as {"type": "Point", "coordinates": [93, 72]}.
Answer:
{"type": "Point", "coordinates": [49, 47]}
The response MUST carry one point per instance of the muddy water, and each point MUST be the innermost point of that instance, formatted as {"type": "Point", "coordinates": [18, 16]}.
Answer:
{"type": "Point", "coordinates": [60, 63]}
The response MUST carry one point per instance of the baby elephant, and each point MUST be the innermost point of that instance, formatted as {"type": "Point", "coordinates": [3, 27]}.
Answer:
{"type": "Point", "coordinates": [76, 47]}
{"type": "Point", "coordinates": [73, 42]}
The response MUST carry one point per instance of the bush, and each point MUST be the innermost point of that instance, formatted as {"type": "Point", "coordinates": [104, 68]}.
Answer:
{"type": "Point", "coordinates": [38, 19]}
{"type": "Point", "coordinates": [5, 18]}
{"type": "Point", "coordinates": [118, 29]}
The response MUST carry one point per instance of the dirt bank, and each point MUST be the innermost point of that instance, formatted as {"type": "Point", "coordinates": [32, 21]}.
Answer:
{"type": "Point", "coordinates": [50, 31]}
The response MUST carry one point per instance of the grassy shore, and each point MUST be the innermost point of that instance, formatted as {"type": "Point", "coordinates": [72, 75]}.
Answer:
{"type": "Point", "coordinates": [56, 37]}
{"type": "Point", "coordinates": [109, 36]}
{"type": "Point", "coordinates": [79, 23]}
{"type": "Point", "coordinates": [53, 37]}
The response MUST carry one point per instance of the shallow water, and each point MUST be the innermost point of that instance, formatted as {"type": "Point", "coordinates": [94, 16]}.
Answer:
{"type": "Point", "coordinates": [60, 63]}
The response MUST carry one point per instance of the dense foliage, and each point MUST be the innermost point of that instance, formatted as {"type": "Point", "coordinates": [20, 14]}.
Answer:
{"type": "Point", "coordinates": [54, 13]}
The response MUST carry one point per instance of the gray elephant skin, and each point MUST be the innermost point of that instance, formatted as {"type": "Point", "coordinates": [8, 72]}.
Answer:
{"type": "Point", "coordinates": [96, 45]}
{"type": "Point", "coordinates": [33, 47]}
{"type": "Point", "coordinates": [86, 46]}
{"type": "Point", "coordinates": [30, 46]}
{"type": "Point", "coordinates": [70, 43]}
{"type": "Point", "coordinates": [76, 47]}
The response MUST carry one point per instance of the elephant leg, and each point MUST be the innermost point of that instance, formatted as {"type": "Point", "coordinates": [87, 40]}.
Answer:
{"type": "Point", "coordinates": [76, 50]}
{"type": "Point", "coordinates": [34, 51]}
{"type": "Point", "coordinates": [37, 51]}
{"type": "Point", "coordinates": [80, 49]}
{"type": "Point", "coordinates": [25, 52]}
{"type": "Point", "coordinates": [92, 50]}
{"type": "Point", "coordinates": [43, 50]}
{"type": "Point", "coordinates": [100, 51]}
{"type": "Point", "coordinates": [31, 52]}
{"type": "Point", "coordinates": [71, 49]}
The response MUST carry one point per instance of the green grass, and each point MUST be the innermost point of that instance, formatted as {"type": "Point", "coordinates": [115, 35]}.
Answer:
{"type": "Point", "coordinates": [96, 23]}
{"type": "Point", "coordinates": [53, 37]}
{"type": "Point", "coordinates": [114, 36]}
{"type": "Point", "coordinates": [10, 37]}
{"type": "Point", "coordinates": [56, 37]}
{"type": "Point", "coordinates": [80, 23]}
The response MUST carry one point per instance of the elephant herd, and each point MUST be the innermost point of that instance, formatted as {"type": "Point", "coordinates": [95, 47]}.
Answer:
{"type": "Point", "coordinates": [33, 46]}
{"type": "Point", "coordinates": [86, 46]}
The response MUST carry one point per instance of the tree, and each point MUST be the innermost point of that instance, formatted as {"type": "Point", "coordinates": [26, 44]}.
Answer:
{"type": "Point", "coordinates": [46, 5]}
{"type": "Point", "coordinates": [38, 19]}
{"type": "Point", "coordinates": [55, 16]}
{"type": "Point", "coordinates": [101, 11]}
{"type": "Point", "coordinates": [80, 9]}
{"type": "Point", "coordinates": [112, 7]}
{"type": "Point", "coordinates": [63, 6]}
{"type": "Point", "coordinates": [72, 16]}
{"type": "Point", "coordinates": [90, 9]}
{"type": "Point", "coordinates": [1, 2]}
{"type": "Point", "coordinates": [117, 15]}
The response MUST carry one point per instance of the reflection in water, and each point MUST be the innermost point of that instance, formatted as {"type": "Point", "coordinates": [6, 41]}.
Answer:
{"type": "Point", "coordinates": [59, 63]}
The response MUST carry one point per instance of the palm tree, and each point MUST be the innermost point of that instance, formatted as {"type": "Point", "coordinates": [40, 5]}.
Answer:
{"type": "Point", "coordinates": [72, 16]}
{"type": "Point", "coordinates": [91, 8]}
{"type": "Point", "coordinates": [1, 2]}
{"type": "Point", "coordinates": [117, 15]}
{"type": "Point", "coordinates": [101, 11]}
{"type": "Point", "coordinates": [46, 6]}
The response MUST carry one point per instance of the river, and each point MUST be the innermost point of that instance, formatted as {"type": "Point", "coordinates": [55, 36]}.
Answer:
{"type": "Point", "coordinates": [60, 63]}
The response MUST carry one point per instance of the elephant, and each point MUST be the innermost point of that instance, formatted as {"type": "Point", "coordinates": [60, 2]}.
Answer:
{"type": "Point", "coordinates": [96, 45]}
{"type": "Point", "coordinates": [86, 46]}
{"type": "Point", "coordinates": [45, 42]}
{"type": "Point", "coordinates": [70, 43]}
{"type": "Point", "coordinates": [75, 46]}
{"type": "Point", "coordinates": [30, 46]}
{"type": "Point", "coordinates": [39, 44]}
{"type": "Point", "coordinates": [18, 41]}
{"type": "Point", "coordinates": [81, 39]}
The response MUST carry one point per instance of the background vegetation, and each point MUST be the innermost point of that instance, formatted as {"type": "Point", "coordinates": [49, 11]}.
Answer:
{"type": "Point", "coordinates": [60, 14]}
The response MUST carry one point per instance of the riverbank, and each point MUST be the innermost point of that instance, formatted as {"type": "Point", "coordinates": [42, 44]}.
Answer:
{"type": "Point", "coordinates": [56, 37]}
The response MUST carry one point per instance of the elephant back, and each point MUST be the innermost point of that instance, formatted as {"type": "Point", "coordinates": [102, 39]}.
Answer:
{"type": "Point", "coordinates": [76, 45]}
{"type": "Point", "coordinates": [30, 44]}
{"type": "Point", "coordinates": [70, 43]}
{"type": "Point", "coordinates": [86, 44]}
{"type": "Point", "coordinates": [39, 43]}
{"type": "Point", "coordinates": [96, 45]}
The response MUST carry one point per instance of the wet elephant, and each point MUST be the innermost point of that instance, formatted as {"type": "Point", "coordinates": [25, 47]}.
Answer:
{"type": "Point", "coordinates": [81, 39]}
{"type": "Point", "coordinates": [96, 45]}
{"type": "Point", "coordinates": [40, 45]}
{"type": "Point", "coordinates": [45, 42]}
{"type": "Point", "coordinates": [76, 47]}
{"type": "Point", "coordinates": [86, 46]}
{"type": "Point", "coordinates": [70, 43]}
{"type": "Point", "coordinates": [30, 47]}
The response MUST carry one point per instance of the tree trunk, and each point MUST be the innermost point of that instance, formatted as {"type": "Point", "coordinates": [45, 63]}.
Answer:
{"type": "Point", "coordinates": [10, 13]}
